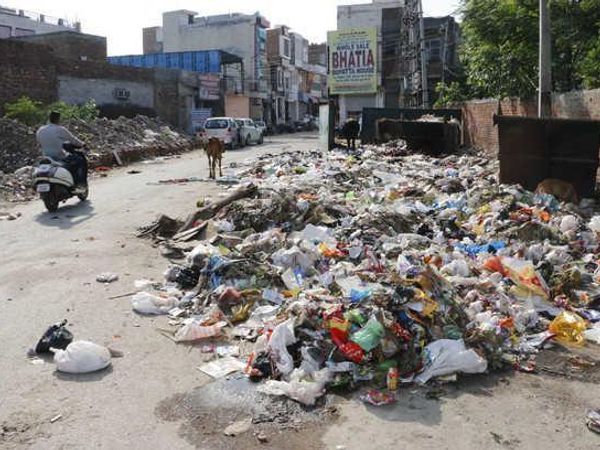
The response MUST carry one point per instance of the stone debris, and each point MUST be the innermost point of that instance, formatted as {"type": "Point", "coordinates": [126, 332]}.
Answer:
{"type": "Point", "coordinates": [110, 142]}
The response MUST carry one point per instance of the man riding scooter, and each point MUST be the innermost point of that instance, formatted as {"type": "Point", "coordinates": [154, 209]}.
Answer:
{"type": "Point", "coordinates": [54, 139]}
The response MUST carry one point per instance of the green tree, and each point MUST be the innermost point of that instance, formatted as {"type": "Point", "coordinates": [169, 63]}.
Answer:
{"type": "Point", "coordinates": [447, 94]}
{"type": "Point", "coordinates": [25, 110]}
{"type": "Point", "coordinates": [500, 45]}
{"type": "Point", "coordinates": [33, 113]}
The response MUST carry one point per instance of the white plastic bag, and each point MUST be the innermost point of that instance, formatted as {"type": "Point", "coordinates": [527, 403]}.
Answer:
{"type": "Point", "coordinates": [594, 224]}
{"type": "Point", "coordinates": [283, 335]}
{"type": "Point", "coordinates": [302, 388]}
{"type": "Point", "coordinates": [592, 335]}
{"type": "Point", "coordinates": [294, 257]}
{"type": "Point", "coordinates": [145, 303]}
{"type": "Point", "coordinates": [446, 356]}
{"type": "Point", "coordinates": [458, 267]}
{"type": "Point", "coordinates": [82, 357]}
{"type": "Point", "coordinates": [568, 224]}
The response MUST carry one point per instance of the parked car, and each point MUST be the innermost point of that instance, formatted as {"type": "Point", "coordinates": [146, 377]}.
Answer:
{"type": "Point", "coordinates": [250, 133]}
{"type": "Point", "coordinates": [224, 128]}
{"type": "Point", "coordinates": [262, 126]}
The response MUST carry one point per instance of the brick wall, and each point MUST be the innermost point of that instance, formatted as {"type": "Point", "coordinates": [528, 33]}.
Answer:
{"type": "Point", "coordinates": [480, 131]}
{"type": "Point", "coordinates": [26, 69]}
{"type": "Point", "coordinates": [71, 45]}
{"type": "Point", "coordinates": [34, 70]}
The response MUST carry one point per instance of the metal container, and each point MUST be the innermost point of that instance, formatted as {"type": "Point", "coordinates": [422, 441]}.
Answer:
{"type": "Point", "coordinates": [533, 149]}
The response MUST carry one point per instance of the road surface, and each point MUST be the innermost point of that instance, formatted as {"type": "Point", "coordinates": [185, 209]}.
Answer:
{"type": "Point", "coordinates": [49, 263]}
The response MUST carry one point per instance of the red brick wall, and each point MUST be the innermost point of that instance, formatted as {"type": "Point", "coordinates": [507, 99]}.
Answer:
{"type": "Point", "coordinates": [481, 133]}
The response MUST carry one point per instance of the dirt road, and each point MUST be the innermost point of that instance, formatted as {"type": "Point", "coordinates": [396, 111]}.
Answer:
{"type": "Point", "coordinates": [48, 267]}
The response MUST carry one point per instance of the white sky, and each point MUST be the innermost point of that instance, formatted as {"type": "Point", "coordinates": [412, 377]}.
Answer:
{"type": "Point", "coordinates": [121, 21]}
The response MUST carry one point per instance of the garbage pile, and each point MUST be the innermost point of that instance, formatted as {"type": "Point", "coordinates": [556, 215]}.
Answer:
{"type": "Point", "coordinates": [368, 271]}
{"type": "Point", "coordinates": [109, 141]}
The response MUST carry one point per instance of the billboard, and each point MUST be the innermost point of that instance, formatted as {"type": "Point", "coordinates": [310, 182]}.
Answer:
{"type": "Point", "coordinates": [353, 61]}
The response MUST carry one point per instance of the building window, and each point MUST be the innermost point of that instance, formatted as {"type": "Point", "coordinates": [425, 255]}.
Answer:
{"type": "Point", "coordinates": [23, 32]}
{"type": "Point", "coordinates": [286, 48]}
{"type": "Point", "coordinates": [434, 49]}
{"type": "Point", "coordinates": [5, 31]}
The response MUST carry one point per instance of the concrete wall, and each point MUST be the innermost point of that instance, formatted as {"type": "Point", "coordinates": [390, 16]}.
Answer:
{"type": "Point", "coordinates": [153, 40]}
{"type": "Point", "coordinates": [80, 90]}
{"type": "Point", "coordinates": [481, 133]}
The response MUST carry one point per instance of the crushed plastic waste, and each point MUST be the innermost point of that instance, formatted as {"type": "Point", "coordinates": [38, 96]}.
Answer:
{"type": "Point", "coordinates": [367, 270]}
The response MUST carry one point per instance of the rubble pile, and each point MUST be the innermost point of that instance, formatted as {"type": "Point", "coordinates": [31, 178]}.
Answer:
{"type": "Point", "coordinates": [133, 139]}
{"type": "Point", "coordinates": [130, 139]}
{"type": "Point", "coordinates": [18, 147]}
{"type": "Point", "coordinates": [18, 186]}
{"type": "Point", "coordinates": [369, 271]}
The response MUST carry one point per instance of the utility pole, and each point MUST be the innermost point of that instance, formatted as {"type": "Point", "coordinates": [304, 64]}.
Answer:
{"type": "Point", "coordinates": [545, 64]}
{"type": "Point", "coordinates": [424, 81]}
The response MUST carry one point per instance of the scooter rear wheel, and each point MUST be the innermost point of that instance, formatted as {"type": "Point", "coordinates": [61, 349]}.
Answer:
{"type": "Point", "coordinates": [50, 200]}
{"type": "Point", "coordinates": [84, 195]}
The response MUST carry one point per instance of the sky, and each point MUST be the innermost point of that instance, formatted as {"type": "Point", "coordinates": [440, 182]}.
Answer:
{"type": "Point", "coordinates": [121, 21]}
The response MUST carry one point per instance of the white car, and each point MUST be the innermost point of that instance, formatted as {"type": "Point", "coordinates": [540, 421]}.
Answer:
{"type": "Point", "coordinates": [261, 125]}
{"type": "Point", "coordinates": [251, 134]}
{"type": "Point", "coordinates": [225, 129]}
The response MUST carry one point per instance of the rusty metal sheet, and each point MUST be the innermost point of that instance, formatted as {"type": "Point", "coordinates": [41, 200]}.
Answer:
{"type": "Point", "coordinates": [532, 150]}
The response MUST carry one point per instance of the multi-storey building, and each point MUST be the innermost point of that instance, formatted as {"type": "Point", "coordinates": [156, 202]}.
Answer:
{"type": "Point", "coordinates": [243, 35]}
{"type": "Point", "coordinates": [17, 22]}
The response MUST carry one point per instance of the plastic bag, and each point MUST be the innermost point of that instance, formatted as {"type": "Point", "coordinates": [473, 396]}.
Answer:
{"type": "Point", "coordinates": [569, 328]}
{"type": "Point", "coordinates": [594, 224]}
{"type": "Point", "coordinates": [370, 335]}
{"type": "Point", "coordinates": [301, 387]}
{"type": "Point", "coordinates": [592, 335]}
{"type": "Point", "coordinates": [524, 275]}
{"type": "Point", "coordinates": [569, 224]}
{"type": "Point", "coordinates": [194, 331]}
{"type": "Point", "coordinates": [458, 267]}
{"type": "Point", "coordinates": [145, 303]}
{"type": "Point", "coordinates": [283, 335]}
{"type": "Point", "coordinates": [82, 357]}
{"type": "Point", "coordinates": [294, 257]}
{"type": "Point", "coordinates": [57, 336]}
{"type": "Point", "coordinates": [445, 357]}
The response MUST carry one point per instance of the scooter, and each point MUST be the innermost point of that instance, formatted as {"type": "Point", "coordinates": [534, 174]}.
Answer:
{"type": "Point", "coordinates": [55, 183]}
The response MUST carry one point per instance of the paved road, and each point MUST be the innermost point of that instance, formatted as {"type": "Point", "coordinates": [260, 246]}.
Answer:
{"type": "Point", "coordinates": [48, 265]}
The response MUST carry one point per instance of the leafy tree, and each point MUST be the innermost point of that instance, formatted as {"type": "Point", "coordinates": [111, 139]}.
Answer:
{"type": "Point", "coordinates": [500, 45]}
{"type": "Point", "coordinates": [33, 113]}
{"type": "Point", "coordinates": [25, 110]}
{"type": "Point", "coordinates": [447, 94]}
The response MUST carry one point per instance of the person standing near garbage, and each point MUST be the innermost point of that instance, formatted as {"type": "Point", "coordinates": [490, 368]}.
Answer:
{"type": "Point", "coordinates": [52, 138]}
